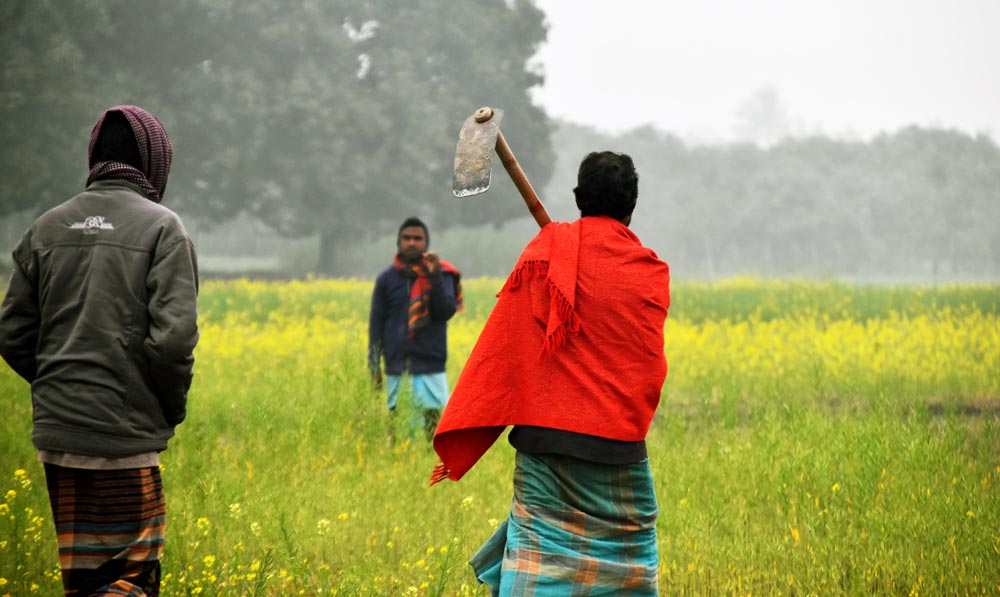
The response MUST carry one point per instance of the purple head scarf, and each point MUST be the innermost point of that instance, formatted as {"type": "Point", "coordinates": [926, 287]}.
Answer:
{"type": "Point", "coordinates": [154, 149]}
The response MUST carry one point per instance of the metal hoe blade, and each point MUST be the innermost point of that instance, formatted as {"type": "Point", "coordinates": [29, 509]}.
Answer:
{"type": "Point", "coordinates": [473, 155]}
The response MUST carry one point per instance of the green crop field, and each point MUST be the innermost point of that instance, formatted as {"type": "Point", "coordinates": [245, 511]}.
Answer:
{"type": "Point", "coordinates": [813, 439]}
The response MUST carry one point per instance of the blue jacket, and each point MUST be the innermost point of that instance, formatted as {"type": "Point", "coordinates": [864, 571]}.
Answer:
{"type": "Point", "coordinates": [427, 351]}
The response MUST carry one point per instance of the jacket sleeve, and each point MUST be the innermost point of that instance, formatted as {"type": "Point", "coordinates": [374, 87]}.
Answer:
{"type": "Point", "coordinates": [20, 320]}
{"type": "Point", "coordinates": [443, 303]}
{"type": "Point", "coordinates": [376, 327]}
{"type": "Point", "coordinates": [172, 286]}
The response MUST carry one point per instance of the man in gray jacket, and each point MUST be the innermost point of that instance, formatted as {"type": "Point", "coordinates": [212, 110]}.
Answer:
{"type": "Point", "coordinates": [100, 318]}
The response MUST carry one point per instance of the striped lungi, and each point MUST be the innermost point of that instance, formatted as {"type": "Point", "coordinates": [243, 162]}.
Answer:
{"type": "Point", "coordinates": [110, 527]}
{"type": "Point", "coordinates": [575, 528]}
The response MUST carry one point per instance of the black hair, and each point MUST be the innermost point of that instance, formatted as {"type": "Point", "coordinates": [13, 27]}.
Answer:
{"type": "Point", "coordinates": [116, 142]}
{"type": "Point", "coordinates": [410, 222]}
{"type": "Point", "coordinates": [607, 185]}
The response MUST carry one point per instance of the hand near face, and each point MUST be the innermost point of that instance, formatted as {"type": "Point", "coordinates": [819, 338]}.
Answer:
{"type": "Point", "coordinates": [433, 261]}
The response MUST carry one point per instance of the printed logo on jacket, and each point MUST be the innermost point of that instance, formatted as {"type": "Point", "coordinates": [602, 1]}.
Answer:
{"type": "Point", "coordinates": [92, 225]}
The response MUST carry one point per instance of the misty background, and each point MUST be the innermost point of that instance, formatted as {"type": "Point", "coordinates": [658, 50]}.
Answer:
{"type": "Point", "coordinates": [304, 133]}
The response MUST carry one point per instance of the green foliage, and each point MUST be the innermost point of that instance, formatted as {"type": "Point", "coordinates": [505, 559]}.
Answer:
{"type": "Point", "coordinates": [334, 119]}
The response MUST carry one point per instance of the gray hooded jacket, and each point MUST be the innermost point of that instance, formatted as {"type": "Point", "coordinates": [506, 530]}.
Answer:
{"type": "Point", "coordinates": [100, 317]}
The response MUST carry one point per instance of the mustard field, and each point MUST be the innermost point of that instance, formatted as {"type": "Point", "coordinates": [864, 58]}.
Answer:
{"type": "Point", "coordinates": [813, 438]}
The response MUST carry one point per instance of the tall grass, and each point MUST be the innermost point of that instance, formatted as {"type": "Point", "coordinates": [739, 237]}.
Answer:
{"type": "Point", "coordinates": [813, 439]}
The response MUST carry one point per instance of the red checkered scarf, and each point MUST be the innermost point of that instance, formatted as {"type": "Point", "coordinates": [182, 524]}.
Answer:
{"type": "Point", "coordinates": [420, 294]}
{"type": "Point", "coordinates": [154, 149]}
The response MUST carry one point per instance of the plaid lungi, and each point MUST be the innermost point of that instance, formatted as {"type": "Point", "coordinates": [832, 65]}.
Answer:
{"type": "Point", "coordinates": [575, 528]}
{"type": "Point", "coordinates": [110, 526]}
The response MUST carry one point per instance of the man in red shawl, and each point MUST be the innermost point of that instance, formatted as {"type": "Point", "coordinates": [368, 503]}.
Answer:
{"type": "Point", "coordinates": [572, 357]}
{"type": "Point", "coordinates": [100, 317]}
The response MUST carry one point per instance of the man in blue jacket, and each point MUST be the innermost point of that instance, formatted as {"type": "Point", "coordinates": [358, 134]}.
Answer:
{"type": "Point", "coordinates": [408, 324]}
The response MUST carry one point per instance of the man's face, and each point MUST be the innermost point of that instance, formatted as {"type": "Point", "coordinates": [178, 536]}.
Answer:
{"type": "Point", "coordinates": [412, 244]}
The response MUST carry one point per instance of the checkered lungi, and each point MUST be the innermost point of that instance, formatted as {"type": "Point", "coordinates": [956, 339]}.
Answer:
{"type": "Point", "coordinates": [110, 526]}
{"type": "Point", "coordinates": [575, 528]}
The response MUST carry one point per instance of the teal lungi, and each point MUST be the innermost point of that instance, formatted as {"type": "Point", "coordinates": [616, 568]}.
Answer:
{"type": "Point", "coordinates": [575, 528]}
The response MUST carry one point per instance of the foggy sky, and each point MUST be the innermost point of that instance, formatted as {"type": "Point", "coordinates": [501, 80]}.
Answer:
{"type": "Point", "coordinates": [850, 68]}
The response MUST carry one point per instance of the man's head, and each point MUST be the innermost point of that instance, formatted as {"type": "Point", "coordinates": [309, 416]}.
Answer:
{"type": "Point", "coordinates": [116, 142]}
{"type": "Point", "coordinates": [130, 135]}
{"type": "Point", "coordinates": [412, 240]}
{"type": "Point", "coordinates": [607, 185]}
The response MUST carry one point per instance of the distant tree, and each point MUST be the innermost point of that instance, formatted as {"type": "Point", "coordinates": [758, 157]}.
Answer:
{"type": "Point", "coordinates": [337, 119]}
{"type": "Point", "coordinates": [763, 118]}
{"type": "Point", "coordinates": [944, 199]}
{"type": "Point", "coordinates": [42, 123]}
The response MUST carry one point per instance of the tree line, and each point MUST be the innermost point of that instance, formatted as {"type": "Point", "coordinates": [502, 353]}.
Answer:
{"type": "Point", "coordinates": [916, 203]}
{"type": "Point", "coordinates": [333, 121]}
{"type": "Point", "coordinates": [318, 118]}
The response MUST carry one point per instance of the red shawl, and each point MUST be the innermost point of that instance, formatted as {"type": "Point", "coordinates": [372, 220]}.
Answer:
{"type": "Point", "coordinates": [575, 343]}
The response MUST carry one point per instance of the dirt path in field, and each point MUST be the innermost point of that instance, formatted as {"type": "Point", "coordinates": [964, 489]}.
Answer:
{"type": "Point", "coordinates": [985, 406]}
{"type": "Point", "coordinates": [977, 407]}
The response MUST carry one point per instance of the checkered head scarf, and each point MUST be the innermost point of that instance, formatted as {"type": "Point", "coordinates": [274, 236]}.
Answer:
{"type": "Point", "coordinates": [155, 153]}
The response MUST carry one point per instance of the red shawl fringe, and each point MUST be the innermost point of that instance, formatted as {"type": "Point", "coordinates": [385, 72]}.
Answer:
{"type": "Point", "coordinates": [565, 311]}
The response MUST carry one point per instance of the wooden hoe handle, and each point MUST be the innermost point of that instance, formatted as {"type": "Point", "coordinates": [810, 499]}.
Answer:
{"type": "Point", "coordinates": [521, 181]}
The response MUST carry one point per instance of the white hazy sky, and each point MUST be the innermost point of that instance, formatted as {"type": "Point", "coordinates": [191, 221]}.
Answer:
{"type": "Point", "coordinates": [840, 67]}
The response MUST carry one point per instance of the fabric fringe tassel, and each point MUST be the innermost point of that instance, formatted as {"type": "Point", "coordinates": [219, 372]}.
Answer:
{"type": "Point", "coordinates": [528, 269]}
{"type": "Point", "coordinates": [439, 474]}
{"type": "Point", "coordinates": [568, 318]}
{"type": "Point", "coordinates": [565, 311]}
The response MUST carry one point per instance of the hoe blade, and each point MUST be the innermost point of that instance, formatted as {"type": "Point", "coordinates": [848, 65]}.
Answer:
{"type": "Point", "coordinates": [473, 155]}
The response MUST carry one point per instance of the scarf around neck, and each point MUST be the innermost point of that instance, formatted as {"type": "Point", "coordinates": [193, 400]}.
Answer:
{"type": "Point", "coordinates": [419, 309]}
